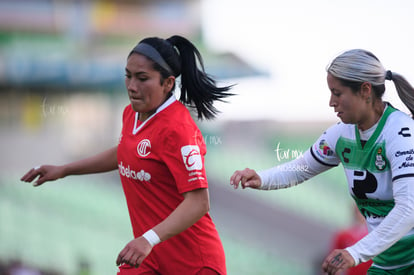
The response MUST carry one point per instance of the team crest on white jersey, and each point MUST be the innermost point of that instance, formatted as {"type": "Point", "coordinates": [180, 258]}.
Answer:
{"type": "Point", "coordinates": [144, 148]}
{"type": "Point", "coordinates": [192, 157]}
{"type": "Point", "coordinates": [379, 160]}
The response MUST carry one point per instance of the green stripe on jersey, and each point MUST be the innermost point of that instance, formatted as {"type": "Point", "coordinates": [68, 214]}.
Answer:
{"type": "Point", "coordinates": [374, 208]}
{"type": "Point", "coordinates": [400, 254]}
{"type": "Point", "coordinates": [355, 158]}
{"type": "Point", "coordinates": [372, 156]}
{"type": "Point", "coordinates": [371, 141]}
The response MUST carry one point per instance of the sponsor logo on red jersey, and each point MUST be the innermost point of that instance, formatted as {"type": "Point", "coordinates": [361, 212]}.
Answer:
{"type": "Point", "coordinates": [130, 173]}
{"type": "Point", "coordinates": [192, 157]}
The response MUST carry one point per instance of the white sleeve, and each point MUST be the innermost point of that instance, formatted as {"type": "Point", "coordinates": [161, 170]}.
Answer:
{"type": "Point", "coordinates": [397, 223]}
{"type": "Point", "coordinates": [291, 173]}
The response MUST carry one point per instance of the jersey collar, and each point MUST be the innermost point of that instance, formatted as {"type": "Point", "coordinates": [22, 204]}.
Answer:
{"type": "Point", "coordinates": [167, 103]}
{"type": "Point", "coordinates": [388, 110]}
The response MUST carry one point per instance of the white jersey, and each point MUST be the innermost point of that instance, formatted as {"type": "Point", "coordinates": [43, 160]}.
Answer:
{"type": "Point", "coordinates": [372, 168]}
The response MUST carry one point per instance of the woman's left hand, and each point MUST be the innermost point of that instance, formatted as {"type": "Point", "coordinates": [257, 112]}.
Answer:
{"type": "Point", "coordinates": [337, 261]}
{"type": "Point", "coordinates": [134, 252]}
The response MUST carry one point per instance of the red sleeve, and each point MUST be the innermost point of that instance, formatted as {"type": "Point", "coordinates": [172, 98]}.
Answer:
{"type": "Point", "coordinates": [184, 156]}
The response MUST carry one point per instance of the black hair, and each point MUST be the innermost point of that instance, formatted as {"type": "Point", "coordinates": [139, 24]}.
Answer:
{"type": "Point", "coordinates": [198, 89]}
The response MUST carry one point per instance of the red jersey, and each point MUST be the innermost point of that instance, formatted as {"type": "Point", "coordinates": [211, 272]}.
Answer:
{"type": "Point", "coordinates": [158, 160]}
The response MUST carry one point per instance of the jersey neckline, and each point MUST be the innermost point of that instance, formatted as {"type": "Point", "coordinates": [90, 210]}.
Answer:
{"type": "Point", "coordinates": [388, 110]}
{"type": "Point", "coordinates": [167, 103]}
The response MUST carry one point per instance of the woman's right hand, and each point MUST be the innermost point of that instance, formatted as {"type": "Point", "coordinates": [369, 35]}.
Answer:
{"type": "Point", "coordinates": [246, 178]}
{"type": "Point", "coordinates": [45, 173]}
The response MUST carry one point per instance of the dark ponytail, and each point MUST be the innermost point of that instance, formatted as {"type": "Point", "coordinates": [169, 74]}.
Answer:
{"type": "Point", "coordinates": [198, 89]}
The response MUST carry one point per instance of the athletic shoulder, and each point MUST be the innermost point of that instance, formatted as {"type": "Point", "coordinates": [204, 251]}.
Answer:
{"type": "Point", "coordinates": [399, 118]}
{"type": "Point", "coordinates": [176, 117]}
{"type": "Point", "coordinates": [323, 150]}
{"type": "Point", "coordinates": [127, 112]}
{"type": "Point", "coordinates": [334, 132]}
{"type": "Point", "coordinates": [399, 132]}
{"type": "Point", "coordinates": [176, 124]}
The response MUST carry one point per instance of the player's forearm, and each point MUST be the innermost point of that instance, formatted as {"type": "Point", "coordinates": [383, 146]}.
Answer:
{"type": "Point", "coordinates": [102, 162]}
{"type": "Point", "coordinates": [291, 173]}
{"type": "Point", "coordinates": [194, 206]}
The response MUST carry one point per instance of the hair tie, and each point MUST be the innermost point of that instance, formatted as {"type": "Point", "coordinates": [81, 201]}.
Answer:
{"type": "Point", "coordinates": [388, 75]}
{"type": "Point", "coordinates": [150, 52]}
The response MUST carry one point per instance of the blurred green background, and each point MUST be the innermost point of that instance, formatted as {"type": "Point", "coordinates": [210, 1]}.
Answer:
{"type": "Point", "coordinates": [61, 99]}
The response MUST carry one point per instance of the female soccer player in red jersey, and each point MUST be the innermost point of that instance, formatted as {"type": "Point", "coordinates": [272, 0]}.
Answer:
{"type": "Point", "coordinates": [160, 158]}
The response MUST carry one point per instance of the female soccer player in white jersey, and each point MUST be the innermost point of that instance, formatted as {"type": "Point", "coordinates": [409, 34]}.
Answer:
{"type": "Point", "coordinates": [375, 144]}
{"type": "Point", "coordinates": [160, 158]}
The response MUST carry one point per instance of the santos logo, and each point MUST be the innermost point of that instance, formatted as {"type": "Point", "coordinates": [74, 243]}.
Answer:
{"type": "Point", "coordinates": [191, 157]}
{"type": "Point", "coordinates": [129, 173]}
